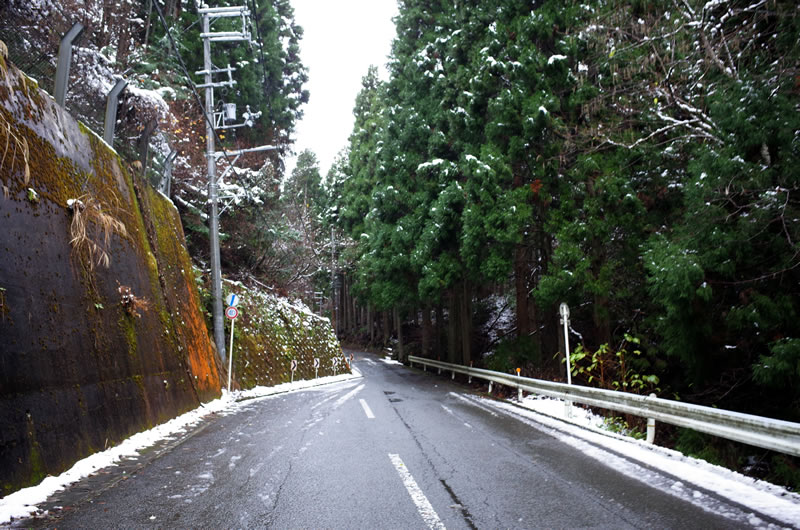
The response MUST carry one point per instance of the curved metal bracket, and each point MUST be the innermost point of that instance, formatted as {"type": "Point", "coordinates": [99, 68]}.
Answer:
{"type": "Point", "coordinates": [111, 111]}
{"type": "Point", "coordinates": [64, 60]}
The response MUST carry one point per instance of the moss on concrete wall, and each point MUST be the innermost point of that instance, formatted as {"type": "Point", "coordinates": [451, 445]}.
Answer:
{"type": "Point", "coordinates": [270, 332]}
{"type": "Point", "coordinates": [78, 371]}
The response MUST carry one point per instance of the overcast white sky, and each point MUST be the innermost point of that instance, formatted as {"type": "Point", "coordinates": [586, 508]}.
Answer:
{"type": "Point", "coordinates": [341, 39]}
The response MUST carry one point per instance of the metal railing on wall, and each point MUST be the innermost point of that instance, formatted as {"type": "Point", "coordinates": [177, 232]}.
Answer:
{"type": "Point", "coordinates": [767, 433]}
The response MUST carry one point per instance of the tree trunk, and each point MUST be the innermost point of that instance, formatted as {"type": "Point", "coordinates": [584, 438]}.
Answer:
{"type": "Point", "coordinates": [452, 327]}
{"type": "Point", "coordinates": [353, 312]}
{"type": "Point", "coordinates": [426, 331]}
{"type": "Point", "coordinates": [466, 324]}
{"type": "Point", "coordinates": [600, 314]}
{"type": "Point", "coordinates": [143, 144]}
{"type": "Point", "coordinates": [386, 332]}
{"type": "Point", "coordinates": [173, 8]}
{"type": "Point", "coordinates": [398, 323]}
{"type": "Point", "coordinates": [370, 324]}
{"type": "Point", "coordinates": [439, 331]}
{"type": "Point", "coordinates": [400, 340]}
{"type": "Point", "coordinates": [106, 24]}
{"type": "Point", "coordinates": [521, 289]}
{"type": "Point", "coordinates": [147, 25]}
{"type": "Point", "coordinates": [342, 305]}
{"type": "Point", "coordinates": [602, 320]}
{"type": "Point", "coordinates": [124, 37]}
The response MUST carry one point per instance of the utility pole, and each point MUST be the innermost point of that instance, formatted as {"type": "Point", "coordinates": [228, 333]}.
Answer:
{"type": "Point", "coordinates": [209, 15]}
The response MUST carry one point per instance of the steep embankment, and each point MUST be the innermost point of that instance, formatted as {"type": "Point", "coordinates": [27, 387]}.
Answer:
{"type": "Point", "coordinates": [270, 333]}
{"type": "Point", "coordinates": [89, 353]}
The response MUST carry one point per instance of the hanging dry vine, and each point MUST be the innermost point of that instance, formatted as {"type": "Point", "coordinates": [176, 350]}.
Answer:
{"type": "Point", "coordinates": [87, 212]}
{"type": "Point", "coordinates": [16, 144]}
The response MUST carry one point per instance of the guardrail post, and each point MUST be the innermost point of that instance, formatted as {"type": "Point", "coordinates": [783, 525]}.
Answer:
{"type": "Point", "coordinates": [490, 387]}
{"type": "Point", "coordinates": [111, 111]}
{"type": "Point", "coordinates": [439, 372]}
{"type": "Point", "coordinates": [651, 427]}
{"type": "Point", "coordinates": [469, 380]}
{"type": "Point", "coordinates": [64, 60]}
{"type": "Point", "coordinates": [453, 375]}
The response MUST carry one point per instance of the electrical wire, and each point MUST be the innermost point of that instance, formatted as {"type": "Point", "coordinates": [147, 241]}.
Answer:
{"type": "Point", "coordinates": [209, 119]}
{"type": "Point", "coordinates": [248, 195]}
{"type": "Point", "coordinates": [260, 41]}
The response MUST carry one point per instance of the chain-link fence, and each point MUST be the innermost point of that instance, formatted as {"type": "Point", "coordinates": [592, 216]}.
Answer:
{"type": "Point", "coordinates": [36, 62]}
{"type": "Point", "coordinates": [34, 49]}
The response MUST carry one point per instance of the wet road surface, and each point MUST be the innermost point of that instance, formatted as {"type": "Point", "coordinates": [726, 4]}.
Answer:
{"type": "Point", "coordinates": [397, 448]}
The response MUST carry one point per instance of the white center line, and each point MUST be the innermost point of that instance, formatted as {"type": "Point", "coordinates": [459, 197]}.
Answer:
{"type": "Point", "coordinates": [339, 402]}
{"type": "Point", "coordinates": [424, 507]}
{"type": "Point", "coordinates": [367, 410]}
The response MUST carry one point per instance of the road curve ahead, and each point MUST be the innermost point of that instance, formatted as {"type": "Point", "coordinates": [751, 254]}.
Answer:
{"type": "Point", "coordinates": [397, 448]}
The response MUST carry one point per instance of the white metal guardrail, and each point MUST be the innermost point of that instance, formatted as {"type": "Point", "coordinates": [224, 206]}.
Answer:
{"type": "Point", "coordinates": [768, 433]}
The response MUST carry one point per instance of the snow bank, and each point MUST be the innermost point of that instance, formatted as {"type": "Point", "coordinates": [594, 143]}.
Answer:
{"type": "Point", "coordinates": [672, 472]}
{"type": "Point", "coordinates": [23, 503]}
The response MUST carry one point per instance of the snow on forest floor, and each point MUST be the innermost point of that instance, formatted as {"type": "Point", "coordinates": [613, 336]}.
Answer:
{"type": "Point", "coordinates": [685, 477]}
{"type": "Point", "coordinates": [23, 503]}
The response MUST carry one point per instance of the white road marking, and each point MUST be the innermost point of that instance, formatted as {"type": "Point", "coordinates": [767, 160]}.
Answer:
{"type": "Point", "coordinates": [339, 402]}
{"type": "Point", "coordinates": [370, 362]}
{"type": "Point", "coordinates": [367, 410]}
{"type": "Point", "coordinates": [453, 414]}
{"type": "Point", "coordinates": [424, 507]}
{"type": "Point", "coordinates": [471, 402]}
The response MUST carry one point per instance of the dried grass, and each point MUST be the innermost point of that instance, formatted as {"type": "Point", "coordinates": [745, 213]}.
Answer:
{"type": "Point", "coordinates": [19, 144]}
{"type": "Point", "coordinates": [91, 230]}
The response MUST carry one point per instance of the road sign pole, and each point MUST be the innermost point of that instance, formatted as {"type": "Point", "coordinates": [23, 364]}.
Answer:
{"type": "Point", "coordinates": [563, 310]}
{"type": "Point", "coordinates": [230, 356]}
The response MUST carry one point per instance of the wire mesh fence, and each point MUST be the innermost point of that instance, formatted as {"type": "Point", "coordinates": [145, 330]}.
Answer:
{"type": "Point", "coordinates": [36, 63]}
{"type": "Point", "coordinates": [33, 48]}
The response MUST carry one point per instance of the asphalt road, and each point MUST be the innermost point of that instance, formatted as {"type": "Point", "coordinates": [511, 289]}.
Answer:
{"type": "Point", "coordinates": [394, 449]}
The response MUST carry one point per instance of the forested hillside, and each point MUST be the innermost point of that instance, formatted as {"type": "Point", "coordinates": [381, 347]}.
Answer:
{"type": "Point", "coordinates": [639, 161]}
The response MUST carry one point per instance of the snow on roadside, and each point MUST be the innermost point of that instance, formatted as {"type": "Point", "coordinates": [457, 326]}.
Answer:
{"type": "Point", "coordinates": [23, 503]}
{"type": "Point", "coordinates": [583, 430]}
{"type": "Point", "coordinates": [388, 360]}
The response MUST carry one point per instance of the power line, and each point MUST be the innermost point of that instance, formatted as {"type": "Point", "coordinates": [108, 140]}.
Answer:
{"type": "Point", "coordinates": [209, 119]}
{"type": "Point", "coordinates": [248, 194]}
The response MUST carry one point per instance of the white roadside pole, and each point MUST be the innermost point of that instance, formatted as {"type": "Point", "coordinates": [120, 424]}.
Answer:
{"type": "Point", "coordinates": [231, 313]}
{"type": "Point", "coordinates": [563, 310]}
